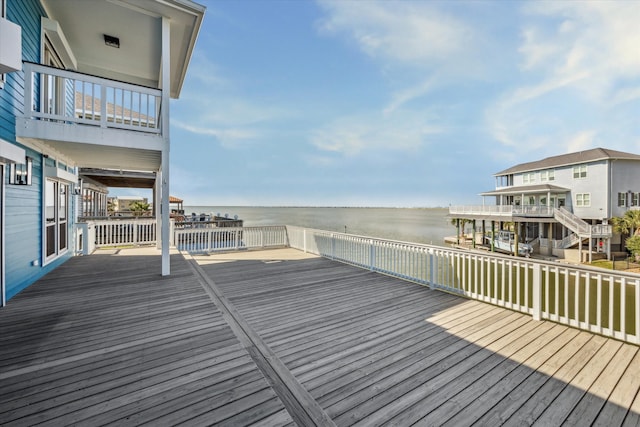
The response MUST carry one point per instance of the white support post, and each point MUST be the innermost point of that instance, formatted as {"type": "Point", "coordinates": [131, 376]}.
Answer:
{"type": "Point", "coordinates": [166, 91]}
{"type": "Point", "coordinates": [537, 292]}
{"type": "Point", "coordinates": [103, 106]}
{"type": "Point", "coordinates": [372, 256]}
{"type": "Point", "coordinates": [156, 197]}
{"type": "Point", "coordinates": [136, 235]}
{"type": "Point", "coordinates": [304, 240]}
{"type": "Point", "coordinates": [431, 264]}
{"type": "Point", "coordinates": [28, 90]}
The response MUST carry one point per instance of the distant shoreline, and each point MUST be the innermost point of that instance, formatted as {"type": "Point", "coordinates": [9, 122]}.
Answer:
{"type": "Point", "coordinates": [318, 207]}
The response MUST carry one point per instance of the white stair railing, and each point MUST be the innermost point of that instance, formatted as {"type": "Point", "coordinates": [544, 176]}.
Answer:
{"type": "Point", "coordinates": [580, 227]}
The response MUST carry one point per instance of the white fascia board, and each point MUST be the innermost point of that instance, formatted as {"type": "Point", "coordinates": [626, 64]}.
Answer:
{"type": "Point", "coordinates": [60, 43]}
{"type": "Point", "coordinates": [43, 130]}
{"type": "Point", "coordinates": [11, 153]}
{"type": "Point", "coordinates": [55, 172]}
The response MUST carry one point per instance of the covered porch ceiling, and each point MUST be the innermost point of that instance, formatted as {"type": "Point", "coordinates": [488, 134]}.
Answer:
{"type": "Point", "coordinates": [102, 156]}
{"type": "Point", "coordinates": [119, 178]}
{"type": "Point", "coordinates": [137, 24]}
{"type": "Point", "coordinates": [527, 189]}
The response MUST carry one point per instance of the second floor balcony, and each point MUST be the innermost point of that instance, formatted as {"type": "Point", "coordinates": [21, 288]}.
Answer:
{"type": "Point", "coordinates": [97, 122]}
{"type": "Point", "coordinates": [503, 211]}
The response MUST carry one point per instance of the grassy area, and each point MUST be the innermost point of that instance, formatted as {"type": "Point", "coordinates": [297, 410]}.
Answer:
{"type": "Point", "coordinates": [620, 265]}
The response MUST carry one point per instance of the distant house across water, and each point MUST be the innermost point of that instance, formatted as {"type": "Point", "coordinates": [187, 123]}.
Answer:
{"type": "Point", "coordinates": [560, 204]}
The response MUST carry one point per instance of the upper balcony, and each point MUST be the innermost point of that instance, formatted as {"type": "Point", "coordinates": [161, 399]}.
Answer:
{"type": "Point", "coordinates": [503, 211]}
{"type": "Point", "coordinates": [95, 121]}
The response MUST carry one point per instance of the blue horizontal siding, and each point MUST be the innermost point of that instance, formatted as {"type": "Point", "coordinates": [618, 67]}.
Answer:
{"type": "Point", "coordinates": [23, 204]}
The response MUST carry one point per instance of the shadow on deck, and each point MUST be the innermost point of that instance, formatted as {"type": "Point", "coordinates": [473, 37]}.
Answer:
{"type": "Point", "coordinates": [262, 338]}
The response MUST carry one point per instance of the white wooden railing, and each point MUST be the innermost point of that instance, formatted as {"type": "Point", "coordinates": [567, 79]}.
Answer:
{"type": "Point", "coordinates": [499, 210]}
{"type": "Point", "coordinates": [581, 227]}
{"type": "Point", "coordinates": [572, 222]}
{"type": "Point", "coordinates": [599, 301]}
{"type": "Point", "coordinates": [76, 98]}
{"type": "Point", "coordinates": [125, 232]}
{"type": "Point", "coordinates": [203, 240]}
{"type": "Point", "coordinates": [503, 210]}
{"type": "Point", "coordinates": [567, 242]}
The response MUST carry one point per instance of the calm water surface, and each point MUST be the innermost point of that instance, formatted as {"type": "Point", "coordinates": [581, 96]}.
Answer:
{"type": "Point", "coordinates": [419, 225]}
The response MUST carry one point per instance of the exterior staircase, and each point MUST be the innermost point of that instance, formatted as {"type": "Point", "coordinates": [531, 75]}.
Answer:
{"type": "Point", "coordinates": [581, 229]}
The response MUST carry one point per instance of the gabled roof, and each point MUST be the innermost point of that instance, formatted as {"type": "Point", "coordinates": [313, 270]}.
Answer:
{"type": "Point", "coordinates": [595, 154]}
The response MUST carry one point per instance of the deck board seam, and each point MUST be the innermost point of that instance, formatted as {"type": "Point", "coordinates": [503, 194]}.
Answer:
{"type": "Point", "coordinates": [98, 352]}
{"type": "Point", "coordinates": [302, 407]}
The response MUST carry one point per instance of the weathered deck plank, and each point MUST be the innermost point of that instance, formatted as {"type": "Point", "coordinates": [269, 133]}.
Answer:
{"type": "Point", "coordinates": [106, 340]}
{"type": "Point", "coordinates": [372, 349]}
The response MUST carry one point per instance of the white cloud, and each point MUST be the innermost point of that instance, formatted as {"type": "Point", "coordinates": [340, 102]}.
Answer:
{"type": "Point", "coordinates": [400, 98]}
{"type": "Point", "coordinates": [580, 62]}
{"type": "Point", "coordinates": [350, 136]}
{"type": "Point", "coordinates": [414, 33]}
{"type": "Point", "coordinates": [581, 141]}
{"type": "Point", "coordinates": [601, 39]}
{"type": "Point", "coordinates": [227, 138]}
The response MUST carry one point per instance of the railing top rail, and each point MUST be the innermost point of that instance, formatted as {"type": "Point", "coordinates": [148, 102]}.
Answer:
{"type": "Point", "coordinates": [530, 261]}
{"type": "Point", "coordinates": [41, 68]}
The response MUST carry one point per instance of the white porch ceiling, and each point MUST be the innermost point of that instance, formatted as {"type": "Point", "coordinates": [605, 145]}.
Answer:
{"type": "Point", "coordinates": [138, 25]}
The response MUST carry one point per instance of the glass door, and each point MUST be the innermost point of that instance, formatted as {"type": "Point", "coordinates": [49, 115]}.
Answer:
{"type": "Point", "coordinates": [56, 218]}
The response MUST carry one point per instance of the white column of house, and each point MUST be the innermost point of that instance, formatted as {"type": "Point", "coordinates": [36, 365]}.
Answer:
{"type": "Point", "coordinates": [164, 176]}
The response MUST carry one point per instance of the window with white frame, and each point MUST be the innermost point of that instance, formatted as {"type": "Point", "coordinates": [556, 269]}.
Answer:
{"type": "Point", "coordinates": [529, 178]}
{"type": "Point", "coordinates": [548, 175]}
{"type": "Point", "coordinates": [583, 200]}
{"type": "Point", "coordinates": [622, 199]}
{"type": "Point", "coordinates": [580, 171]}
{"type": "Point", "coordinates": [635, 199]}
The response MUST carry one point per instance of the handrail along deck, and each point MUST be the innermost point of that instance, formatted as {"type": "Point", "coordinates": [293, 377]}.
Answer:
{"type": "Point", "coordinates": [596, 300]}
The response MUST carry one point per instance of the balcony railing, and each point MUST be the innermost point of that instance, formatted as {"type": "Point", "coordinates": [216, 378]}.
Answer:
{"type": "Point", "coordinates": [503, 210]}
{"type": "Point", "coordinates": [75, 98]}
{"type": "Point", "coordinates": [216, 239]}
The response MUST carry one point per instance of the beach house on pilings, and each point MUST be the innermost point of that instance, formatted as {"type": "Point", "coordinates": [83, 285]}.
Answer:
{"type": "Point", "coordinates": [84, 86]}
{"type": "Point", "coordinates": [562, 205]}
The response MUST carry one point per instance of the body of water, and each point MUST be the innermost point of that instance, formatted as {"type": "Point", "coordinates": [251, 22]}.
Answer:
{"type": "Point", "coordinates": [418, 225]}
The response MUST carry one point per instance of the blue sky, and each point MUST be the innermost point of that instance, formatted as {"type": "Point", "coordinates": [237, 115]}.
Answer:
{"type": "Point", "coordinates": [397, 103]}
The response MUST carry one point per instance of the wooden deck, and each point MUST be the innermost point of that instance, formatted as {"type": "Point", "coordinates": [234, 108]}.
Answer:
{"type": "Point", "coordinates": [261, 338]}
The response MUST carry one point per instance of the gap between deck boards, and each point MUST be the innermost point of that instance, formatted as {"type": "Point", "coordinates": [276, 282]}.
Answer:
{"type": "Point", "coordinates": [302, 407]}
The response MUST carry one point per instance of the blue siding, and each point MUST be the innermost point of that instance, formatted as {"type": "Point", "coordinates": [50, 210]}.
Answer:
{"type": "Point", "coordinates": [23, 204]}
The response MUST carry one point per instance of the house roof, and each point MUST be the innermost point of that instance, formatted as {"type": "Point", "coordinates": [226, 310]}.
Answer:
{"type": "Point", "coordinates": [527, 189]}
{"type": "Point", "coordinates": [592, 155]}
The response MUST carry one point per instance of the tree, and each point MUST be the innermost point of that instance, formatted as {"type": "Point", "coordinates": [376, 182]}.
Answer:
{"type": "Point", "coordinates": [111, 207]}
{"type": "Point", "coordinates": [138, 208]}
{"type": "Point", "coordinates": [463, 222]}
{"type": "Point", "coordinates": [633, 245]}
{"type": "Point", "coordinates": [629, 223]}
